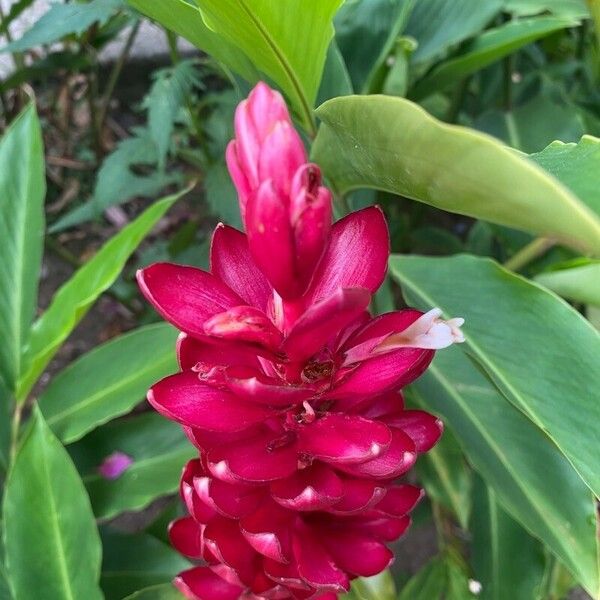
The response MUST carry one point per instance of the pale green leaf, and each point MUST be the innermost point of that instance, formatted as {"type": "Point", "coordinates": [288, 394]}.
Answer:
{"type": "Point", "coordinates": [108, 381]}
{"type": "Point", "coordinates": [22, 190]}
{"type": "Point", "coordinates": [578, 283]}
{"type": "Point", "coordinates": [51, 542]}
{"type": "Point", "coordinates": [77, 295]}
{"type": "Point", "coordinates": [378, 587]}
{"type": "Point", "coordinates": [567, 8]}
{"type": "Point", "coordinates": [158, 592]}
{"type": "Point", "coordinates": [393, 145]}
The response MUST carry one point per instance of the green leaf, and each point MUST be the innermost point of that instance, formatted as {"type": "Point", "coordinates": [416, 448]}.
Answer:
{"type": "Point", "coordinates": [534, 365]}
{"type": "Point", "coordinates": [489, 47]}
{"type": "Point", "coordinates": [287, 41]}
{"type": "Point", "coordinates": [530, 477]}
{"type": "Point", "coordinates": [22, 190]}
{"type": "Point", "coordinates": [577, 166]}
{"type": "Point", "coordinates": [366, 31]}
{"type": "Point", "coordinates": [65, 19]}
{"type": "Point", "coordinates": [428, 584]}
{"type": "Point", "coordinates": [378, 587]}
{"type": "Point", "coordinates": [77, 295]}
{"type": "Point", "coordinates": [185, 20]}
{"type": "Point", "coordinates": [567, 8]}
{"type": "Point", "coordinates": [507, 561]}
{"type": "Point", "coordinates": [52, 545]}
{"type": "Point", "coordinates": [133, 562]}
{"type": "Point", "coordinates": [108, 381]}
{"type": "Point", "coordinates": [117, 182]}
{"type": "Point", "coordinates": [577, 283]}
{"type": "Point", "coordinates": [158, 592]}
{"type": "Point", "coordinates": [171, 89]}
{"type": "Point", "coordinates": [437, 25]}
{"type": "Point", "coordinates": [393, 145]}
{"type": "Point", "coordinates": [159, 450]}
{"type": "Point", "coordinates": [336, 79]}
{"type": "Point", "coordinates": [446, 477]}
{"type": "Point", "coordinates": [531, 126]}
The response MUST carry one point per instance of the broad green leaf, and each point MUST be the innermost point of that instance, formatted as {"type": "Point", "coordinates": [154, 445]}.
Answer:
{"type": "Point", "coordinates": [22, 190]}
{"type": "Point", "coordinates": [185, 20]}
{"type": "Point", "coordinates": [446, 477]}
{"type": "Point", "coordinates": [108, 381]}
{"type": "Point", "coordinates": [158, 592]}
{"type": "Point", "coordinates": [437, 25]}
{"type": "Point", "coordinates": [77, 295]}
{"type": "Point", "coordinates": [366, 31]}
{"type": "Point", "coordinates": [533, 125]}
{"type": "Point", "coordinates": [536, 366]}
{"type": "Point", "coordinates": [489, 47]}
{"type": "Point", "coordinates": [577, 166]}
{"type": "Point", "coordinates": [117, 182]}
{"type": "Point", "coordinates": [133, 562]}
{"type": "Point", "coordinates": [287, 41]}
{"type": "Point", "coordinates": [159, 450]}
{"type": "Point", "coordinates": [65, 19]}
{"type": "Point", "coordinates": [507, 561]}
{"type": "Point", "coordinates": [530, 477]}
{"type": "Point", "coordinates": [378, 587]}
{"type": "Point", "coordinates": [578, 283]}
{"type": "Point", "coordinates": [567, 8]}
{"type": "Point", "coordinates": [51, 542]}
{"type": "Point", "coordinates": [393, 145]}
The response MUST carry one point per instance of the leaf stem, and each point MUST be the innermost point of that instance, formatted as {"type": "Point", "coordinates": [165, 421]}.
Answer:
{"type": "Point", "coordinates": [528, 253]}
{"type": "Point", "coordinates": [116, 73]}
{"type": "Point", "coordinates": [14, 431]}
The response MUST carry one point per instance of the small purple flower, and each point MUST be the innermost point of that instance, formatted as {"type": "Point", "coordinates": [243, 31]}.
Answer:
{"type": "Point", "coordinates": [114, 465]}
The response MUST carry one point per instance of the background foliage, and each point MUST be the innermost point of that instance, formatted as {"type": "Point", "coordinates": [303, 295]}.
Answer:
{"type": "Point", "coordinates": [475, 125]}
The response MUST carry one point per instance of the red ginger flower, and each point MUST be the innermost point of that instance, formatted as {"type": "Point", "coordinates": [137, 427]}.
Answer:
{"type": "Point", "coordinates": [288, 387]}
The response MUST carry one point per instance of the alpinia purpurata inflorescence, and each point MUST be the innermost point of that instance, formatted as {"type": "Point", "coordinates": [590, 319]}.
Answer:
{"type": "Point", "coordinates": [289, 389]}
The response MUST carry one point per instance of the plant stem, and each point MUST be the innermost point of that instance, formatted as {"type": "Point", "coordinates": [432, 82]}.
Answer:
{"type": "Point", "coordinates": [594, 6]}
{"type": "Point", "coordinates": [528, 253]}
{"type": "Point", "coordinates": [115, 74]}
{"type": "Point", "coordinates": [14, 431]}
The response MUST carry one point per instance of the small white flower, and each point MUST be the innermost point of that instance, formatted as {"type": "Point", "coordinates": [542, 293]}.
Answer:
{"type": "Point", "coordinates": [475, 587]}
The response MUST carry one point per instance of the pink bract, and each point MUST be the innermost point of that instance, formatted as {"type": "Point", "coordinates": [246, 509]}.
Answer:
{"type": "Point", "coordinates": [288, 387]}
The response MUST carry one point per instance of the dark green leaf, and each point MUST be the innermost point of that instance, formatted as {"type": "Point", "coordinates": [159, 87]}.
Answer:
{"type": "Point", "coordinates": [437, 25]}
{"type": "Point", "coordinates": [65, 19]}
{"type": "Point", "coordinates": [508, 562]}
{"type": "Point", "coordinates": [534, 365]}
{"type": "Point", "coordinates": [428, 584]}
{"type": "Point", "coordinates": [133, 562]}
{"type": "Point", "coordinates": [108, 381]}
{"type": "Point", "coordinates": [486, 49]}
{"type": "Point", "coordinates": [77, 295]}
{"type": "Point", "coordinates": [566, 8]}
{"type": "Point", "coordinates": [336, 80]}
{"type": "Point", "coordinates": [159, 450]}
{"type": "Point", "coordinates": [159, 592]}
{"type": "Point", "coordinates": [22, 189]}
{"type": "Point", "coordinates": [52, 545]}
{"type": "Point", "coordinates": [393, 145]}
